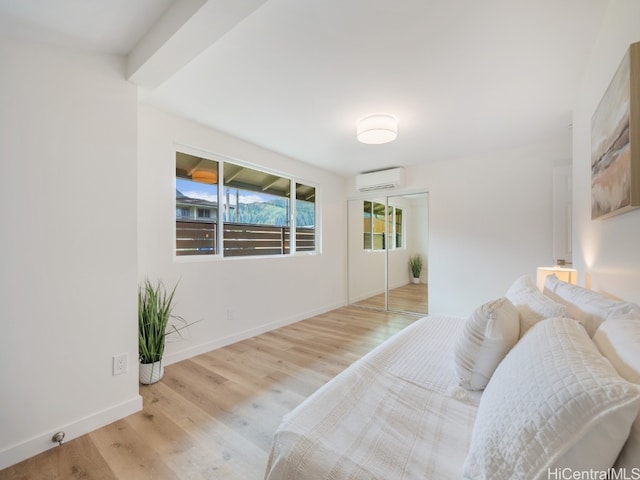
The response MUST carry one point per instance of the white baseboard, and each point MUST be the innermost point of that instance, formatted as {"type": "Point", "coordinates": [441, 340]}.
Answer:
{"type": "Point", "coordinates": [175, 357]}
{"type": "Point", "coordinates": [38, 444]}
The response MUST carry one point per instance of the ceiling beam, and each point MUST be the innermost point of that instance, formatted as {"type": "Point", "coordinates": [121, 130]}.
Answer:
{"type": "Point", "coordinates": [270, 183]}
{"type": "Point", "coordinates": [185, 30]}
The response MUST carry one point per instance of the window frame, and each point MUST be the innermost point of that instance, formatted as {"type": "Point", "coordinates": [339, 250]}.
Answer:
{"type": "Point", "coordinates": [221, 159]}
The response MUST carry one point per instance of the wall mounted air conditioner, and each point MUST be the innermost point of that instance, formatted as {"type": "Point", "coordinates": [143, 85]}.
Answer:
{"type": "Point", "coordinates": [380, 180]}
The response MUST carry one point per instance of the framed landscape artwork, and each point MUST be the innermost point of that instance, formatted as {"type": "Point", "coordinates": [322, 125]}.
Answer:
{"type": "Point", "coordinates": [615, 142]}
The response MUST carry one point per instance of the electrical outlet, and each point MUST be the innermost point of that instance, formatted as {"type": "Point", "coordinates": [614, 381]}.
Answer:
{"type": "Point", "coordinates": [230, 314]}
{"type": "Point", "coordinates": [120, 363]}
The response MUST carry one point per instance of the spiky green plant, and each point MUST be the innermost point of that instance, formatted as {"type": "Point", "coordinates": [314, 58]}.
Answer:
{"type": "Point", "coordinates": [415, 264]}
{"type": "Point", "coordinates": [155, 306]}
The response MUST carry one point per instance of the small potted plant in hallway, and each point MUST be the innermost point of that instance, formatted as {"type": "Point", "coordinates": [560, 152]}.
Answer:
{"type": "Point", "coordinates": [155, 305]}
{"type": "Point", "coordinates": [415, 264]}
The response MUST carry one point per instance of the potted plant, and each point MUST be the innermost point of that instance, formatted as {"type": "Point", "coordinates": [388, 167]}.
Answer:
{"type": "Point", "coordinates": [155, 306]}
{"type": "Point", "coordinates": [415, 264]}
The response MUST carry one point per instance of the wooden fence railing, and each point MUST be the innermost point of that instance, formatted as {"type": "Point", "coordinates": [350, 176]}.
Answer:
{"type": "Point", "coordinates": [240, 239]}
{"type": "Point", "coordinates": [196, 238]}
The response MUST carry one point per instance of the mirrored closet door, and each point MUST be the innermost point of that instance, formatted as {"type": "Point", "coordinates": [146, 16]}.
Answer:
{"type": "Point", "coordinates": [384, 234]}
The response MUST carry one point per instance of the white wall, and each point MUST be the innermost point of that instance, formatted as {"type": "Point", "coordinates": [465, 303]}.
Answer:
{"type": "Point", "coordinates": [490, 221]}
{"type": "Point", "coordinates": [263, 293]}
{"type": "Point", "coordinates": [606, 252]}
{"type": "Point", "coordinates": [68, 245]}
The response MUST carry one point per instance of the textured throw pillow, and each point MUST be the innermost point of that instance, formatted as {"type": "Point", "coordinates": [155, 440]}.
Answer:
{"type": "Point", "coordinates": [532, 304]}
{"type": "Point", "coordinates": [588, 307]}
{"type": "Point", "coordinates": [488, 334]}
{"type": "Point", "coordinates": [619, 341]}
{"type": "Point", "coordinates": [553, 403]}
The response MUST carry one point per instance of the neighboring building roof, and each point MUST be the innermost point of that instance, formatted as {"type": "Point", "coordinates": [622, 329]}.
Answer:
{"type": "Point", "coordinates": [182, 199]}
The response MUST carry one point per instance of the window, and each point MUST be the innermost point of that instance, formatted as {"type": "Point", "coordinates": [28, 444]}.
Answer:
{"type": "Point", "coordinates": [305, 218]}
{"type": "Point", "coordinates": [394, 232]}
{"type": "Point", "coordinates": [375, 226]}
{"type": "Point", "coordinates": [256, 211]}
{"type": "Point", "coordinates": [196, 205]}
{"type": "Point", "coordinates": [204, 213]}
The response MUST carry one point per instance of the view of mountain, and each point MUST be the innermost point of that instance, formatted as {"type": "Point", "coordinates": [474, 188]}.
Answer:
{"type": "Point", "coordinates": [273, 212]}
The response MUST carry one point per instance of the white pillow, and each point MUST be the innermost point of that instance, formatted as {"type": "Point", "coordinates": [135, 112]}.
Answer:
{"type": "Point", "coordinates": [486, 337]}
{"type": "Point", "coordinates": [553, 403]}
{"type": "Point", "coordinates": [532, 304]}
{"type": "Point", "coordinates": [619, 341]}
{"type": "Point", "coordinates": [588, 307]}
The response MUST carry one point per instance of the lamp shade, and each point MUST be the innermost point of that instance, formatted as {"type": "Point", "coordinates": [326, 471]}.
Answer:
{"type": "Point", "coordinates": [568, 275]}
{"type": "Point", "coordinates": [204, 176]}
{"type": "Point", "coordinates": [377, 129]}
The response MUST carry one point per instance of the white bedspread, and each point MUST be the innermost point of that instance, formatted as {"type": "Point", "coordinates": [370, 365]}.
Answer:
{"type": "Point", "coordinates": [395, 414]}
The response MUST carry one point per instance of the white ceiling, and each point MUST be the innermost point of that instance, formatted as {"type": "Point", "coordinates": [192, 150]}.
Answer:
{"type": "Point", "coordinates": [294, 76]}
{"type": "Point", "coordinates": [109, 26]}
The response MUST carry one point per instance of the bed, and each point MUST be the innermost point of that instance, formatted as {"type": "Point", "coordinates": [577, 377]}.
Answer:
{"type": "Point", "coordinates": [516, 390]}
{"type": "Point", "coordinates": [371, 419]}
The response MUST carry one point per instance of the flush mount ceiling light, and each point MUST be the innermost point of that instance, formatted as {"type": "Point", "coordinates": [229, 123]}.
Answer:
{"type": "Point", "coordinates": [378, 128]}
{"type": "Point", "coordinates": [204, 176]}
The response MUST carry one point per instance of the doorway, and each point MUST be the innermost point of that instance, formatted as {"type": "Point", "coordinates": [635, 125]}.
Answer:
{"type": "Point", "coordinates": [384, 232]}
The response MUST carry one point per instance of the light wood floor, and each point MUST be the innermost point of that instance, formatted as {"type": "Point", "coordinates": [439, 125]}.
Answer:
{"type": "Point", "coordinates": [409, 298]}
{"type": "Point", "coordinates": [213, 416]}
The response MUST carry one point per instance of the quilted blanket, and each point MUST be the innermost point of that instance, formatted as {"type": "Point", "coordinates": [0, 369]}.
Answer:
{"type": "Point", "coordinates": [397, 413]}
